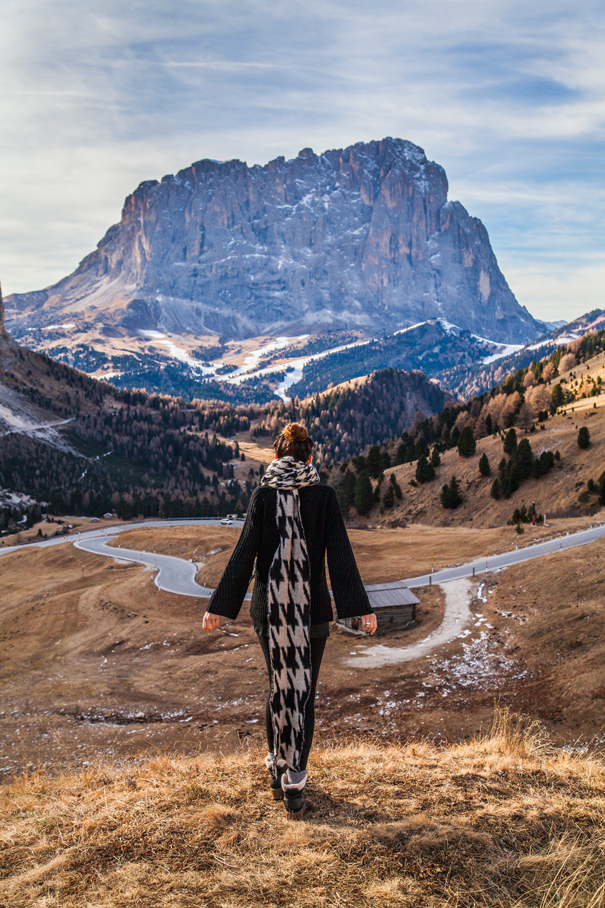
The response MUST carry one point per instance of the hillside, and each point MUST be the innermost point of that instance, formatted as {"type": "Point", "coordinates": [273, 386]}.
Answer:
{"type": "Point", "coordinates": [74, 445]}
{"type": "Point", "coordinates": [471, 381]}
{"type": "Point", "coordinates": [346, 418]}
{"type": "Point", "coordinates": [571, 483]}
{"type": "Point", "coordinates": [502, 821]}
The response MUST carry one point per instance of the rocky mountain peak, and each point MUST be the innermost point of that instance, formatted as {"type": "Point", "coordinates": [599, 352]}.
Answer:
{"type": "Point", "coordinates": [361, 237]}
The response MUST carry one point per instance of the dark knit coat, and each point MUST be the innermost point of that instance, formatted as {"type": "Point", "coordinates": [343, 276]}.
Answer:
{"type": "Point", "coordinates": [325, 532]}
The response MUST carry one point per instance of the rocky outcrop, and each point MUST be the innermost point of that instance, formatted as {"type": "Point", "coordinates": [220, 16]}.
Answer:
{"type": "Point", "coordinates": [361, 237]}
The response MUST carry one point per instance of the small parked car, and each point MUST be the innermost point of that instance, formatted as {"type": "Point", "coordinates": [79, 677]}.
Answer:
{"type": "Point", "coordinates": [226, 522]}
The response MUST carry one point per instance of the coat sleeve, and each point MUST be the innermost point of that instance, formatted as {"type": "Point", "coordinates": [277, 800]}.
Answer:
{"type": "Point", "coordinates": [227, 598]}
{"type": "Point", "coordinates": [350, 597]}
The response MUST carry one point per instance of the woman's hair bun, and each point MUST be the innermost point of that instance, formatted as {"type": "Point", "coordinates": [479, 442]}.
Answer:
{"type": "Point", "coordinates": [295, 433]}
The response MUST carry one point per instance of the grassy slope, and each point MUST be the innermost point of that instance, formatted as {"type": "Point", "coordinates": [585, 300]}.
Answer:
{"type": "Point", "coordinates": [555, 494]}
{"type": "Point", "coordinates": [500, 821]}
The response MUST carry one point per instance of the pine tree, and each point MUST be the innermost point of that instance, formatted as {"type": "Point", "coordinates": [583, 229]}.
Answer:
{"type": "Point", "coordinates": [583, 437]}
{"type": "Point", "coordinates": [602, 490]}
{"type": "Point", "coordinates": [435, 458]}
{"type": "Point", "coordinates": [389, 497]}
{"type": "Point", "coordinates": [445, 496]}
{"type": "Point", "coordinates": [466, 442]}
{"type": "Point", "coordinates": [385, 460]}
{"type": "Point", "coordinates": [524, 457]}
{"type": "Point", "coordinates": [510, 441]}
{"type": "Point", "coordinates": [364, 496]}
{"type": "Point", "coordinates": [396, 487]}
{"type": "Point", "coordinates": [425, 471]}
{"type": "Point", "coordinates": [349, 481]}
{"type": "Point", "coordinates": [484, 467]}
{"type": "Point", "coordinates": [373, 463]}
{"type": "Point", "coordinates": [496, 492]}
{"type": "Point", "coordinates": [455, 496]}
{"type": "Point", "coordinates": [450, 494]}
{"type": "Point", "coordinates": [557, 398]}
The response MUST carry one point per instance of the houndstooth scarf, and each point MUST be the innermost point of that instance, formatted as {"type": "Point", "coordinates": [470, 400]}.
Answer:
{"type": "Point", "coordinates": [289, 615]}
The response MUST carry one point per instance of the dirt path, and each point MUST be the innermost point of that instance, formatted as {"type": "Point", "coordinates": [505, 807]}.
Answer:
{"type": "Point", "coordinates": [456, 618]}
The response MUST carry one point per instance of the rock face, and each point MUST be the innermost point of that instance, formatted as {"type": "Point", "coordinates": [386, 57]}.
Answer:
{"type": "Point", "coordinates": [361, 237]}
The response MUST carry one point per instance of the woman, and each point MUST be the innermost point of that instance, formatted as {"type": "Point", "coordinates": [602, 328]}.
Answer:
{"type": "Point", "coordinates": [292, 522]}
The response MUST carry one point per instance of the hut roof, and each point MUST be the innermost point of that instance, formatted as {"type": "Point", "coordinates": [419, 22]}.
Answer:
{"type": "Point", "coordinates": [396, 593]}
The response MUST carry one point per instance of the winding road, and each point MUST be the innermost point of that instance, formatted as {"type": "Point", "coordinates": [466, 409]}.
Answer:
{"type": "Point", "coordinates": [175, 575]}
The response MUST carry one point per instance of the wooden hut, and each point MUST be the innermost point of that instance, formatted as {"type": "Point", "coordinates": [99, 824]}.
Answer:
{"type": "Point", "coordinates": [394, 604]}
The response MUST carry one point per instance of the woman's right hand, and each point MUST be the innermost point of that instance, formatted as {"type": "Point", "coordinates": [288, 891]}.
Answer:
{"type": "Point", "coordinates": [210, 622]}
{"type": "Point", "coordinates": [369, 623]}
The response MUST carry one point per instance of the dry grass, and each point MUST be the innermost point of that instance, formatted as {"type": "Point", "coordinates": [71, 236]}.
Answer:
{"type": "Point", "coordinates": [505, 820]}
{"type": "Point", "coordinates": [556, 495]}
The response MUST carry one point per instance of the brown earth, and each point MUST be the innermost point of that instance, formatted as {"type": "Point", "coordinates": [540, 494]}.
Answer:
{"type": "Point", "coordinates": [94, 660]}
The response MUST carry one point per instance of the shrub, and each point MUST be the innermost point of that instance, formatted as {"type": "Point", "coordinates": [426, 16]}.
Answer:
{"type": "Point", "coordinates": [543, 464]}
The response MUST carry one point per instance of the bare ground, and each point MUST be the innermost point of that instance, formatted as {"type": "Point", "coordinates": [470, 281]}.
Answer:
{"type": "Point", "coordinates": [95, 660]}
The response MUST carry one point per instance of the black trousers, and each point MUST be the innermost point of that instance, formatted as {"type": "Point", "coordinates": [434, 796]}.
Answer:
{"type": "Point", "coordinates": [318, 645]}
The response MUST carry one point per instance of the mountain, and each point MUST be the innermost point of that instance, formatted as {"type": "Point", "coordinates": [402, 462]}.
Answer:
{"type": "Point", "coordinates": [80, 446]}
{"type": "Point", "coordinates": [432, 347]}
{"type": "Point", "coordinates": [469, 380]}
{"type": "Point", "coordinates": [362, 237]}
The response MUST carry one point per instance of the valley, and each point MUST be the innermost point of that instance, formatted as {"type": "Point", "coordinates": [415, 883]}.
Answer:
{"type": "Point", "coordinates": [98, 663]}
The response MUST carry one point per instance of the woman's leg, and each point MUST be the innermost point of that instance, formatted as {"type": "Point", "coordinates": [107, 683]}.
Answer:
{"type": "Point", "coordinates": [318, 646]}
{"type": "Point", "coordinates": [264, 645]}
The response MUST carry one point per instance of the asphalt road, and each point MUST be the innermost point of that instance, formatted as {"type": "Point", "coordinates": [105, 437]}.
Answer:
{"type": "Point", "coordinates": [107, 532]}
{"type": "Point", "coordinates": [507, 559]}
{"type": "Point", "coordinates": [175, 575]}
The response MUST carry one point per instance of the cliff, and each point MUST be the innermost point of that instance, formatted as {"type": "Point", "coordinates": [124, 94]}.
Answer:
{"type": "Point", "coordinates": [362, 237]}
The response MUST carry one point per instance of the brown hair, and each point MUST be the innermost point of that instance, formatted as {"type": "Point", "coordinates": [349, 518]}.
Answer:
{"type": "Point", "coordinates": [294, 442]}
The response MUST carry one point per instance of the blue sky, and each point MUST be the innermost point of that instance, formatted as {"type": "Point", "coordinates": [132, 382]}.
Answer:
{"type": "Point", "coordinates": [508, 96]}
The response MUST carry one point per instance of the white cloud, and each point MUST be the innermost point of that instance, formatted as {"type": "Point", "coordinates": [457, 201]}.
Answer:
{"type": "Point", "coordinates": [507, 96]}
{"type": "Point", "coordinates": [554, 292]}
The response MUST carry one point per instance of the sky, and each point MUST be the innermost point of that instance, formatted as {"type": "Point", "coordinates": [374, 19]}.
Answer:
{"type": "Point", "coordinates": [508, 96]}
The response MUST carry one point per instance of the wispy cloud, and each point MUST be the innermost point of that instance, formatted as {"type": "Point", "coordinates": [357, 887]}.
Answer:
{"type": "Point", "coordinates": [508, 96]}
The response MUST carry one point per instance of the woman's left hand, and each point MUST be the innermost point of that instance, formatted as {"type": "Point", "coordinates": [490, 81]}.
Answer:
{"type": "Point", "coordinates": [369, 623]}
{"type": "Point", "coordinates": [210, 622]}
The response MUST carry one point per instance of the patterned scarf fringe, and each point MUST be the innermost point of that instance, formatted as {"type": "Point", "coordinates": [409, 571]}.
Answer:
{"type": "Point", "coordinates": [289, 612]}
